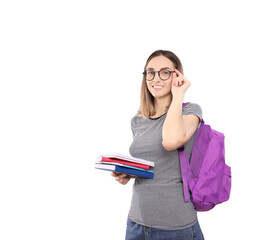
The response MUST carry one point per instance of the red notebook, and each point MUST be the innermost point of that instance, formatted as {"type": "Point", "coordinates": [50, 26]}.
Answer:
{"type": "Point", "coordinates": [132, 164]}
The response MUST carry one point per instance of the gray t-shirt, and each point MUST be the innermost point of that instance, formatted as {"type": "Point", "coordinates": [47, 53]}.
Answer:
{"type": "Point", "coordinates": [159, 202]}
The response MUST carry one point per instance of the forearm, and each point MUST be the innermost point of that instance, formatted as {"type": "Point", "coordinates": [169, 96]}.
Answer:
{"type": "Point", "coordinates": [173, 128]}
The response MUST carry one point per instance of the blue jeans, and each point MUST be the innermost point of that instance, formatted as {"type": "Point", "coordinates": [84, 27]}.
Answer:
{"type": "Point", "coordinates": [136, 231]}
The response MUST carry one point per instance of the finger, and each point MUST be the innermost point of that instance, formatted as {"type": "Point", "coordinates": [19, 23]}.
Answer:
{"type": "Point", "coordinates": [121, 176]}
{"type": "Point", "coordinates": [114, 174]}
{"type": "Point", "coordinates": [178, 73]}
{"type": "Point", "coordinates": [124, 181]}
{"type": "Point", "coordinates": [187, 82]}
{"type": "Point", "coordinates": [182, 82]}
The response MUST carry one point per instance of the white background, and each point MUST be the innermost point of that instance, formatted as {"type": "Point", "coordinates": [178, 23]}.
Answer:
{"type": "Point", "coordinates": [70, 76]}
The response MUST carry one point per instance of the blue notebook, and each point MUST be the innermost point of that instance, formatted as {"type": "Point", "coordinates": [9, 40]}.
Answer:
{"type": "Point", "coordinates": [128, 170]}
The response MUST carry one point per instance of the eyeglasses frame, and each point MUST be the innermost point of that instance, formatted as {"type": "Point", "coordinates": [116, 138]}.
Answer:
{"type": "Point", "coordinates": [144, 73]}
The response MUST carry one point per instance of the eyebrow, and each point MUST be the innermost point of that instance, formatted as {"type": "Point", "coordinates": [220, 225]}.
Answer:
{"type": "Point", "coordinates": [160, 69]}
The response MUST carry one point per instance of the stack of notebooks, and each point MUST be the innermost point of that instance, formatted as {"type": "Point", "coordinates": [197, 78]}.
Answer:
{"type": "Point", "coordinates": [125, 164]}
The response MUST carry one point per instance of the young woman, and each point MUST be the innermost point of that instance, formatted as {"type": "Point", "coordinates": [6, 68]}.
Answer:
{"type": "Point", "coordinates": [158, 210]}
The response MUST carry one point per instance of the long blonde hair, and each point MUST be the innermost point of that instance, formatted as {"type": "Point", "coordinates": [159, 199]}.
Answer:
{"type": "Point", "coordinates": [147, 107]}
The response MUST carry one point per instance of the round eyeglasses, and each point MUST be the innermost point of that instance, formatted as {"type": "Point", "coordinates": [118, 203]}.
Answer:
{"type": "Point", "coordinates": [163, 74]}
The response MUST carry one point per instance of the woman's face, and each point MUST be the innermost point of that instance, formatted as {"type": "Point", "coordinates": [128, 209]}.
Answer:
{"type": "Point", "coordinates": [157, 87]}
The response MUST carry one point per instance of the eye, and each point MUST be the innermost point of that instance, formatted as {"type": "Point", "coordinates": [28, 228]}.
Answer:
{"type": "Point", "coordinates": [150, 73]}
{"type": "Point", "coordinates": [165, 72]}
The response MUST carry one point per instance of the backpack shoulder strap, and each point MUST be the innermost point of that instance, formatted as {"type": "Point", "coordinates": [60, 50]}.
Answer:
{"type": "Point", "coordinates": [186, 173]}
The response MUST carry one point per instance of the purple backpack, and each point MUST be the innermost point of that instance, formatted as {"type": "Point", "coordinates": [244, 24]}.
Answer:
{"type": "Point", "coordinates": [206, 176]}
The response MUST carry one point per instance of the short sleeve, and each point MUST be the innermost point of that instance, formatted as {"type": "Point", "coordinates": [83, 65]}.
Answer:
{"type": "Point", "coordinates": [193, 109]}
{"type": "Point", "coordinates": [133, 126]}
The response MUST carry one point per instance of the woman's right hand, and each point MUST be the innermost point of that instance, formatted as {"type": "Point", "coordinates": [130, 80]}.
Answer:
{"type": "Point", "coordinates": [121, 178]}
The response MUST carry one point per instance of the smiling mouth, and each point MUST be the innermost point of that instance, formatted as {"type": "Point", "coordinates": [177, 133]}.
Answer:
{"type": "Point", "coordinates": [157, 87]}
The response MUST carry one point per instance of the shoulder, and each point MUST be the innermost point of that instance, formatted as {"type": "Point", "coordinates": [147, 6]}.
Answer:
{"type": "Point", "coordinates": [136, 119]}
{"type": "Point", "coordinates": [192, 109]}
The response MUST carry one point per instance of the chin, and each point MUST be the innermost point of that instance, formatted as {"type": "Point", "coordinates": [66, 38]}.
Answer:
{"type": "Point", "coordinates": [163, 95]}
{"type": "Point", "coordinates": [160, 93]}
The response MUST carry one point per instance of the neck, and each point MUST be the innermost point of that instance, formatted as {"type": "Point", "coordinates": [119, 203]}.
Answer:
{"type": "Point", "coordinates": [162, 104]}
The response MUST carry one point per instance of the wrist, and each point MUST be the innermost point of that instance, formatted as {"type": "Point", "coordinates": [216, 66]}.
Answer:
{"type": "Point", "coordinates": [178, 98]}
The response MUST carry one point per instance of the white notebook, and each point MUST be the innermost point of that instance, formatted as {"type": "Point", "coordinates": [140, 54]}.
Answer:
{"type": "Point", "coordinates": [127, 158]}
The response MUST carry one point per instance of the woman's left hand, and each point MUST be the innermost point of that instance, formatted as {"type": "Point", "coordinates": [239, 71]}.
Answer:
{"type": "Point", "coordinates": [180, 84]}
{"type": "Point", "coordinates": [122, 178]}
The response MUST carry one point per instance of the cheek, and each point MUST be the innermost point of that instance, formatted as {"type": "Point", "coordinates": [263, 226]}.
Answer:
{"type": "Point", "coordinates": [149, 87]}
{"type": "Point", "coordinates": [168, 85]}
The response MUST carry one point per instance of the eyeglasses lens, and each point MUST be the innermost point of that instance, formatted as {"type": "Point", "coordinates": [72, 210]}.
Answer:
{"type": "Point", "coordinates": [164, 74]}
{"type": "Point", "coordinates": [150, 75]}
